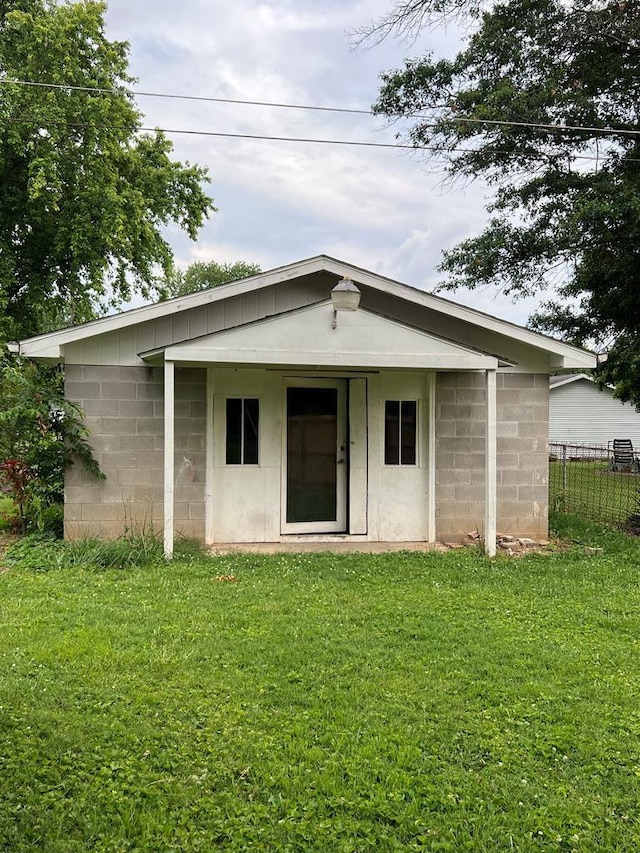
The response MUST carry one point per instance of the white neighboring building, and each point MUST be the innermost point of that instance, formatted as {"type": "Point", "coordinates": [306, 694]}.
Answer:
{"type": "Point", "coordinates": [579, 413]}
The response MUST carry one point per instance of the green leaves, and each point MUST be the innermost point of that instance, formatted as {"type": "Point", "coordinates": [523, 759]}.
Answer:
{"type": "Point", "coordinates": [542, 102]}
{"type": "Point", "coordinates": [85, 194]}
{"type": "Point", "coordinates": [41, 434]}
{"type": "Point", "coordinates": [202, 275]}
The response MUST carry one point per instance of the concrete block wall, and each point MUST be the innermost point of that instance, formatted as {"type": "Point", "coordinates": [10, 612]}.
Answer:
{"type": "Point", "coordinates": [523, 412]}
{"type": "Point", "coordinates": [124, 411]}
{"type": "Point", "coordinates": [523, 454]}
{"type": "Point", "coordinates": [190, 455]}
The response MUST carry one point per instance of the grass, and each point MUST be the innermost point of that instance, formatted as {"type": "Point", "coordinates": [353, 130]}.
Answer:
{"type": "Point", "coordinates": [9, 517]}
{"type": "Point", "coordinates": [399, 702]}
{"type": "Point", "coordinates": [593, 490]}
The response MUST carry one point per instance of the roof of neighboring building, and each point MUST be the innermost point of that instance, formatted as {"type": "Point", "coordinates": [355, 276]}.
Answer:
{"type": "Point", "coordinates": [567, 378]}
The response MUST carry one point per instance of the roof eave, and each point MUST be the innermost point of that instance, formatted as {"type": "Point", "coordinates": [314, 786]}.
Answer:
{"type": "Point", "coordinates": [51, 341]}
{"type": "Point", "coordinates": [576, 359]}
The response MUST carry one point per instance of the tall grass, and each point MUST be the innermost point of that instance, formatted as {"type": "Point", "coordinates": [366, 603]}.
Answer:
{"type": "Point", "coordinates": [43, 552]}
{"type": "Point", "coordinates": [9, 515]}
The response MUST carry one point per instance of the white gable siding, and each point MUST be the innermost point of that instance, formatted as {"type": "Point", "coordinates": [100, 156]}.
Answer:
{"type": "Point", "coordinates": [122, 346]}
{"type": "Point", "coordinates": [291, 287]}
{"type": "Point", "coordinates": [581, 414]}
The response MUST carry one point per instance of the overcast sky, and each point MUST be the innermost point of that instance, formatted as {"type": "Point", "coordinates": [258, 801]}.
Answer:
{"type": "Point", "coordinates": [279, 202]}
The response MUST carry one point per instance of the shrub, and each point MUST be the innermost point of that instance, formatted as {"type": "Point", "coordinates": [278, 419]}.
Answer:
{"type": "Point", "coordinates": [41, 434]}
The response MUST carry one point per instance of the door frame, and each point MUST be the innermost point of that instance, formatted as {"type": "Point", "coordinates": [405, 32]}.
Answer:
{"type": "Point", "coordinates": [342, 459]}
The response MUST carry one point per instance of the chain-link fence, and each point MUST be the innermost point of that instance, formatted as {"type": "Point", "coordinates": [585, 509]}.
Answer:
{"type": "Point", "coordinates": [590, 481]}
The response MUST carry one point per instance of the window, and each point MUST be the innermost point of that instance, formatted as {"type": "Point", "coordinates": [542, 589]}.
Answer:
{"type": "Point", "coordinates": [400, 432]}
{"type": "Point", "coordinates": [242, 431]}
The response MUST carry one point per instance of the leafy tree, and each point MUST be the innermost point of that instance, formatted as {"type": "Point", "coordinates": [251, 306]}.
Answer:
{"type": "Point", "coordinates": [203, 275]}
{"type": "Point", "coordinates": [543, 101]}
{"type": "Point", "coordinates": [85, 194]}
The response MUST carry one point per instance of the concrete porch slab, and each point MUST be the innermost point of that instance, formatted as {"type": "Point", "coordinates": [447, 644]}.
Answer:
{"type": "Point", "coordinates": [334, 547]}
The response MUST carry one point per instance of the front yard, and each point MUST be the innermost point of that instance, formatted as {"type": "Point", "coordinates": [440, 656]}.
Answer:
{"type": "Point", "coordinates": [320, 703]}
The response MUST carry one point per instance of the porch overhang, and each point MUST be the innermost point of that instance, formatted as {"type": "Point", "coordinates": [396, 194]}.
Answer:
{"type": "Point", "coordinates": [305, 338]}
{"type": "Point", "coordinates": [360, 340]}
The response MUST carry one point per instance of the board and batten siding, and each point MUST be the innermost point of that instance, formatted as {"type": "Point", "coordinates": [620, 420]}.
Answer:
{"type": "Point", "coordinates": [129, 346]}
{"type": "Point", "coordinates": [125, 347]}
{"type": "Point", "coordinates": [581, 414]}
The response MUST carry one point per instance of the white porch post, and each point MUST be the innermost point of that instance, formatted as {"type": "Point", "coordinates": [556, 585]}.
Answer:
{"type": "Point", "coordinates": [169, 429]}
{"type": "Point", "coordinates": [209, 530]}
{"type": "Point", "coordinates": [431, 457]}
{"type": "Point", "coordinates": [490, 473]}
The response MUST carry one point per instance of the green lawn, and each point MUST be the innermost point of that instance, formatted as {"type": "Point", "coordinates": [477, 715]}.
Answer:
{"type": "Point", "coordinates": [325, 703]}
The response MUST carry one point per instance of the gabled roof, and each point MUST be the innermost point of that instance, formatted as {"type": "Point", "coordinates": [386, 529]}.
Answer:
{"type": "Point", "coordinates": [49, 346]}
{"type": "Point", "coordinates": [562, 380]}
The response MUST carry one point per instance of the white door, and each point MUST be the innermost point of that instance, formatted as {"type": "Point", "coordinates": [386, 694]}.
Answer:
{"type": "Point", "coordinates": [315, 457]}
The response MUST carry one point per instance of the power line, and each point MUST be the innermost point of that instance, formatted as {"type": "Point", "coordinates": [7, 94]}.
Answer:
{"type": "Point", "coordinates": [269, 138]}
{"type": "Point", "coordinates": [556, 128]}
{"type": "Point", "coordinates": [215, 133]}
{"type": "Point", "coordinates": [140, 93]}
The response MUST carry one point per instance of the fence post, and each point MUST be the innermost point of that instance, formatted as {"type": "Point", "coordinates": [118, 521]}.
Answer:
{"type": "Point", "coordinates": [564, 467]}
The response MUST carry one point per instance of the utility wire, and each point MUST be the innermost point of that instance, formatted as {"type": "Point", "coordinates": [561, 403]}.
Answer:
{"type": "Point", "coordinates": [140, 93]}
{"type": "Point", "coordinates": [265, 137]}
{"type": "Point", "coordinates": [557, 128]}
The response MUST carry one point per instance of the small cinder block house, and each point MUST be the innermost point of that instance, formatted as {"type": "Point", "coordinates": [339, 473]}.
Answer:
{"type": "Point", "coordinates": [317, 401]}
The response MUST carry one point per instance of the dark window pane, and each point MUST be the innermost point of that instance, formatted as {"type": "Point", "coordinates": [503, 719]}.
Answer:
{"type": "Point", "coordinates": [234, 432]}
{"type": "Point", "coordinates": [408, 432]}
{"type": "Point", "coordinates": [310, 402]}
{"type": "Point", "coordinates": [251, 414]}
{"type": "Point", "coordinates": [392, 432]}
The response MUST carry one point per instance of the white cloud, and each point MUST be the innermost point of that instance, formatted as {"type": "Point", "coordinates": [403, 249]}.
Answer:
{"type": "Point", "coordinates": [280, 201]}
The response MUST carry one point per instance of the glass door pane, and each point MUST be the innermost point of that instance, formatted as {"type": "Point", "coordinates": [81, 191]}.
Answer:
{"type": "Point", "coordinates": [312, 439]}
